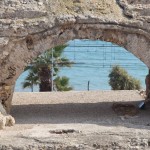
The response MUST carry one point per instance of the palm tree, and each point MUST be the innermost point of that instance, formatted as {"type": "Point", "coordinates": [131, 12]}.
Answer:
{"type": "Point", "coordinates": [42, 66]}
{"type": "Point", "coordinates": [30, 81]}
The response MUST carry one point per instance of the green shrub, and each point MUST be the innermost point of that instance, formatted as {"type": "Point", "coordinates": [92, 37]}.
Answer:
{"type": "Point", "coordinates": [62, 84]}
{"type": "Point", "coordinates": [121, 80]}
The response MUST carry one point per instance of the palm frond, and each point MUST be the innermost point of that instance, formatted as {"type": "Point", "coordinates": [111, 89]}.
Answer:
{"type": "Point", "coordinates": [26, 84]}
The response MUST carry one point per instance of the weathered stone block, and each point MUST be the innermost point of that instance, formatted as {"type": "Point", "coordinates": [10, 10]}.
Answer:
{"type": "Point", "coordinates": [6, 120]}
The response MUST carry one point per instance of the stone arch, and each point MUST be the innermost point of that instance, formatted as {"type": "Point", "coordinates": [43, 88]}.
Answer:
{"type": "Point", "coordinates": [31, 46]}
{"type": "Point", "coordinates": [28, 28]}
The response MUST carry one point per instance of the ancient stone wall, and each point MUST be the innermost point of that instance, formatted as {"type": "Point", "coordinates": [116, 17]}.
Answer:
{"type": "Point", "coordinates": [30, 27]}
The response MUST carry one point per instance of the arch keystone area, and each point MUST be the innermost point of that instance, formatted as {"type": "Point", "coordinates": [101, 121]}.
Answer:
{"type": "Point", "coordinates": [28, 28]}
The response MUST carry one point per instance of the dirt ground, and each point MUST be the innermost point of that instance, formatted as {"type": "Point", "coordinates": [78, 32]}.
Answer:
{"type": "Point", "coordinates": [76, 121]}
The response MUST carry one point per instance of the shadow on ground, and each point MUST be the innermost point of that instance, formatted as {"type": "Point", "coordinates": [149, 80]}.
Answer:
{"type": "Point", "coordinates": [86, 113]}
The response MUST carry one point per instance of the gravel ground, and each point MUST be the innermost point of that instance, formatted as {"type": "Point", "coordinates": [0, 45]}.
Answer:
{"type": "Point", "coordinates": [76, 120]}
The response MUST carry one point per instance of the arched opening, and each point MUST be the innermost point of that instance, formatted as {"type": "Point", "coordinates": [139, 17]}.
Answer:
{"type": "Point", "coordinates": [26, 49]}
{"type": "Point", "coordinates": [61, 109]}
{"type": "Point", "coordinates": [92, 62]}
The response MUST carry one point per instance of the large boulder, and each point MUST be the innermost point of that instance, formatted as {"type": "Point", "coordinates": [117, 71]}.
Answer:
{"type": "Point", "coordinates": [5, 119]}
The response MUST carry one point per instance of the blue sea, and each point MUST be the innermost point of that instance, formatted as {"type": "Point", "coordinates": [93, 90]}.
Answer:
{"type": "Point", "coordinates": [93, 62]}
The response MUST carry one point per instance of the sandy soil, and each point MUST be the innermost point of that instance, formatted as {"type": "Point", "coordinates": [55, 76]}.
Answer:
{"type": "Point", "coordinates": [43, 120]}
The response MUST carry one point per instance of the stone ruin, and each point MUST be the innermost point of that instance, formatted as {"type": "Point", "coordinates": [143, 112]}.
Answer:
{"type": "Point", "coordinates": [30, 27]}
